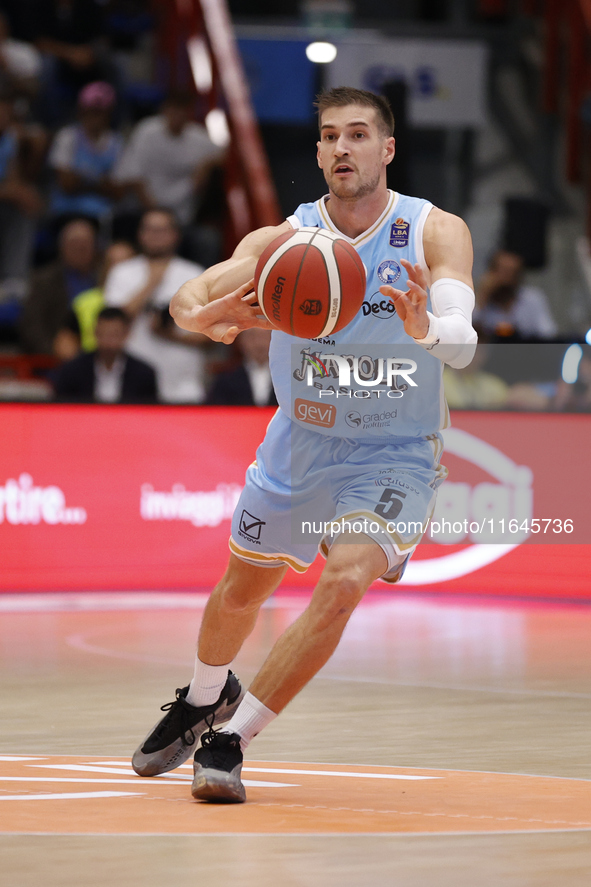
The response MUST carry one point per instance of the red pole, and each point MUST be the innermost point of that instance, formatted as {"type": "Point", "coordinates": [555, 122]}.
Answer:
{"type": "Point", "coordinates": [245, 128]}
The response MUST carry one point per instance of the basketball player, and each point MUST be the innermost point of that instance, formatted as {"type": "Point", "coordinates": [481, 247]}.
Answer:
{"type": "Point", "coordinates": [352, 469]}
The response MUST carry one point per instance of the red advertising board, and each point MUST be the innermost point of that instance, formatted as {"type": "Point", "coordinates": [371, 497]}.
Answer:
{"type": "Point", "coordinates": [141, 497]}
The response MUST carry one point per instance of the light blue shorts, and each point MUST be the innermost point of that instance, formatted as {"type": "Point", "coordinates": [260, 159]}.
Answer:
{"type": "Point", "coordinates": [306, 488]}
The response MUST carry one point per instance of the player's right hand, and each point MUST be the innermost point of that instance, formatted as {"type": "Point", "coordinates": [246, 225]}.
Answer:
{"type": "Point", "coordinates": [222, 319]}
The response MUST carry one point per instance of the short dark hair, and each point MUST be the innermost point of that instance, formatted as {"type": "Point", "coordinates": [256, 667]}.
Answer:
{"type": "Point", "coordinates": [112, 313]}
{"type": "Point", "coordinates": [341, 96]}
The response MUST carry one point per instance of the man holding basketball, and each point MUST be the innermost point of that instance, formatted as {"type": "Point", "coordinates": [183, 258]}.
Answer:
{"type": "Point", "coordinates": [351, 472]}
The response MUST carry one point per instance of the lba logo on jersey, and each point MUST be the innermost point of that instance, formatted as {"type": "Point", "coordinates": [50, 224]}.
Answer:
{"type": "Point", "coordinates": [399, 233]}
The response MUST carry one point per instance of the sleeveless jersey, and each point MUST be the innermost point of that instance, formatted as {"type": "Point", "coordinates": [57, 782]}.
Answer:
{"type": "Point", "coordinates": [370, 380]}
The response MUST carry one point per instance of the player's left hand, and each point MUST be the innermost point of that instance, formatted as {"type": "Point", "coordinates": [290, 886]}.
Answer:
{"type": "Point", "coordinates": [411, 306]}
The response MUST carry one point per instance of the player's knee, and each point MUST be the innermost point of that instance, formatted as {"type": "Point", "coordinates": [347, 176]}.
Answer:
{"type": "Point", "coordinates": [338, 593]}
{"type": "Point", "coordinates": [237, 598]}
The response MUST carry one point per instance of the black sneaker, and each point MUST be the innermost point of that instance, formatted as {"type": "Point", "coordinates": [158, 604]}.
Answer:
{"type": "Point", "coordinates": [217, 766]}
{"type": "Point", "coordinates": [174, 738]}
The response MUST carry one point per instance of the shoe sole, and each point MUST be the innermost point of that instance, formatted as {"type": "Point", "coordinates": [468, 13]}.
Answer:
{"type": "Point", "coordinates": [178, 752]}
{"type": "Point", "coordinates": [217, 786]}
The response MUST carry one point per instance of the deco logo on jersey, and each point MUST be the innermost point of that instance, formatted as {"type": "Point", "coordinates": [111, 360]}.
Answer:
{"type": "Point", "coordinates": [389, 271]}
{"type": "Point", "coordinates": [250, 526]}
{"type": "Point", "coordinates": [399, 233]}
{"type": "Point", "coordinates": [378, 306]}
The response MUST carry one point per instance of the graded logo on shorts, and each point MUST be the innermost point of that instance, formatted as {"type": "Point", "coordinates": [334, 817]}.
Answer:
{"type": "Point", "coordinates": [315, 413]}
{"type": "Point", "coordinates": [399, 233]}
{"type": "Point", "coordinates": [250, 526]}
{"type": "Point", "coordinates": [353, 419]}
{"type": "Point", "coordinates": [389, 272]}
{"type": "Point", "coordinates": [389, 481]}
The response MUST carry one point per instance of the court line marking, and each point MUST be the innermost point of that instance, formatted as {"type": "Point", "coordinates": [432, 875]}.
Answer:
{"type": "Point", "coordinates": [252, 783]}
{"type": "Point", "coordinates": [91, 779]}
{"type": "Point", "coordinates": [446, 769]}
{"type": "Point", "coordinates": [101, 769]}
{"type": "Point", "coordinates": [68, 796]}
{"type": "Point", "coordinates": [308, 835]}
{"type": "Point", "coordinates": [19, 758]}
{"type": "Point", "coordinates": [380, 766]}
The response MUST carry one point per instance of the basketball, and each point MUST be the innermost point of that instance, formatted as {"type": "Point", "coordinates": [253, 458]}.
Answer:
{"type": "Point", "coordinates": [310, 282]}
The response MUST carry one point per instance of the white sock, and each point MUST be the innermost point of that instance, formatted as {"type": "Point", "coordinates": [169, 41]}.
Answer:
{"type": "Point", "coordinates": [207, 684]}
{"type": "Point", "coordinates": [249, 719]}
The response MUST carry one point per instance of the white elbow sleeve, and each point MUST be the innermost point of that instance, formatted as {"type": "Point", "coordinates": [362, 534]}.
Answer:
{"type": "Point", "coordinates": [451, 336]}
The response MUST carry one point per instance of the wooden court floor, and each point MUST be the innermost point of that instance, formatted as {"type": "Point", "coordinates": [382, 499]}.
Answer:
{"type": "Point", "coordinates": [447, 743]}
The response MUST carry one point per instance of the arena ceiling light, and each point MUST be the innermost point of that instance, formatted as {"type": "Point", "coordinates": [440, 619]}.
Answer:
{"type": "Point", "coordinates": [200, 62]}
{"type": "Point", "coordinates": [321, 53]}
{"type": "Point", "coordinates": [218, 131]}
{"type": "Point", "coordinates": [570, 364]}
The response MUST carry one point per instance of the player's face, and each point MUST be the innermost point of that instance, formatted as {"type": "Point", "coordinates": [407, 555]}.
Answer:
{"type": "Point", "coordinates": [352, 152]}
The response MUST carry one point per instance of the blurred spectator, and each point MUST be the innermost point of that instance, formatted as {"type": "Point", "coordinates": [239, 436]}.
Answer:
{"type": "Point", "coordinates": [78, 331]}
{"type": "Point", "coordinates": [88, 305]}
{"type": "Point", "coordinates": [250, 383]}
{"type": "Point", "coordinates": [20, 63]}
{"type": "Point", "coordinates": [576, 396]}
{"type": "Point", "coordinates": [508, 308]}
{"type": "Point", "coordinates": [20, 202]}
{"type": "Point", "coordinates": [472, 388]}
{"type": "Point", "coordinates": [84, 155]}
{"type": "Point", "coordinates": [68, 34]}
{"type": "Point", "coordinates": [168, 161]}
{"type": "Point", "coordinates": [55, 286]}
{"type": "Point", "coordinates": [109, 374]}
{"type": "Point", "coordinates": [143, 287]}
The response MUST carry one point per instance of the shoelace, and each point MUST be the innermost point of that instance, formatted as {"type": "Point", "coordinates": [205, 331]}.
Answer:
{"type": "Point", "coordinates": [216, 744]}
{"type": "Point", "coordinates": [186, 729]}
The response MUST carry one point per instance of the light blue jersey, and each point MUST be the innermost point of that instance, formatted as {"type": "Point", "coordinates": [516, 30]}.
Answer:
{"type": "Point", "coordinates": [370, 381]}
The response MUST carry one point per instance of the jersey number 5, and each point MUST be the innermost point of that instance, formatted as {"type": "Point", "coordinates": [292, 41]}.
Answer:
{"type": "Point", "coordinates": [390, 504]}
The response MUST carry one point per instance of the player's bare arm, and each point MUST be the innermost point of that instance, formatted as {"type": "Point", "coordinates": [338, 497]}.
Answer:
{"type": "Point", "coordinates": [220, 302]}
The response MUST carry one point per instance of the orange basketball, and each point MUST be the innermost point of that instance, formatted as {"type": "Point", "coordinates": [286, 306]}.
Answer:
{"type": "Point", "coordinates": [310, 282]}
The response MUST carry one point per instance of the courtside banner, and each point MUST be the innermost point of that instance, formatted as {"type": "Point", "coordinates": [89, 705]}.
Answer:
{"type": "Point", "coordinates": [116, 497]}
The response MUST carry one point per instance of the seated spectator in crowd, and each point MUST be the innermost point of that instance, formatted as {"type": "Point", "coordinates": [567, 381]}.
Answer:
{"type": "Point", "coordinates": [68, 34]}
{"type": "Point", "coordinates": [88, 305]}
{"type": "Point", "coordinates": [576, 396]}
{"type": "Point", "coordinates": [55, 286]}
{"type": "Point", "coordinates": [248, 384]}
{"type": "Point", "coordinates": [20, 203]}
{"type": "Point", "coordinates": [508, 308]}
{"type": "Point", "coordinates": [108, 374]}
{"type": "Point", "coordinates": [472, 388]}
{"type": "Point", "coordinates": [169, 158]}
{"type": "Point", "coordinates": [143, 287]}
{"type": "Point", "coordinates": [84, 155]}
{"type": "Point", "coordinates": [78, 333]}
{"type": "Point", "coordinates": [20, 63]}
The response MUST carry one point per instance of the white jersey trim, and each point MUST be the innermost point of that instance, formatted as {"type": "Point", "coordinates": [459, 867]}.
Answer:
{"type": "Point", "coordinates": [366, 235]}
{"type": "Point", "coordinates": [419, 246]}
